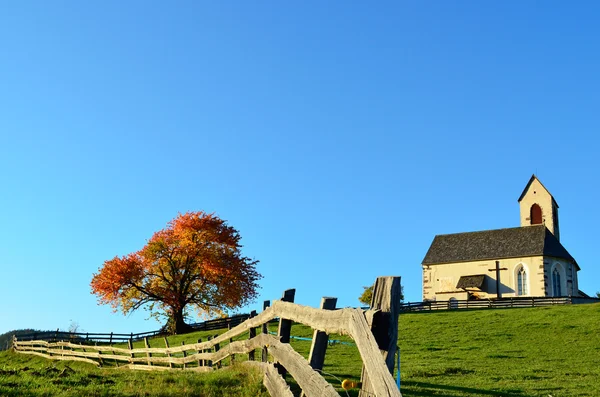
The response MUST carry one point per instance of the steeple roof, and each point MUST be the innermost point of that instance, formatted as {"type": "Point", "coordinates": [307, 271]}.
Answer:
{"type": "Point", "coordinates": [533, 178]}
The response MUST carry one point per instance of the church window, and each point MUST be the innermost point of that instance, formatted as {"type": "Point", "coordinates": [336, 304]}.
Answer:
{"type": "Point", "coordinates": [536, 215]}
{"type": "Point", "coordinates": [521, 282]}
{"type": "Point", "coordinates": [556, 282]}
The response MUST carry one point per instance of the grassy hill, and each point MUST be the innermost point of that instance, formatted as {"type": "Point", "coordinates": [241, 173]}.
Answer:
{"type": "Point", "coordinates": [532, 352]}
{"type": "Point", "coordinates": [551, 351]}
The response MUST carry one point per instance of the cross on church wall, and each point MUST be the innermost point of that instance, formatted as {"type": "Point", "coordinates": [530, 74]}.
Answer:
{"type": "Point", "coordinates": [497, 270]}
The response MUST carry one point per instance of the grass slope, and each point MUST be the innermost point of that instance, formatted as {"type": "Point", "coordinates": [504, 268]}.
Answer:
{"type": "Point", "coordinates": [534, 352]}
{"type": "Point", "coordinates": [551, 351]}
{"type": "Point", "coordinates": [30, 376]}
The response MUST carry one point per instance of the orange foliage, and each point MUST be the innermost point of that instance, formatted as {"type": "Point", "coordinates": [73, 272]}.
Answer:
{"type": "Point", "coordinates": [195, 261]}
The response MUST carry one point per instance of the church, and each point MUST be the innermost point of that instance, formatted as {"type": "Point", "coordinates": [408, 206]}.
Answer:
{"type": "Point", "coordinates": [521, 261]}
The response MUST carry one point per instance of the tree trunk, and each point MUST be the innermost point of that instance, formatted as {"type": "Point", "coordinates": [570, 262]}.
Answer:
{"type": "Point", "coordinates": [178, 325]}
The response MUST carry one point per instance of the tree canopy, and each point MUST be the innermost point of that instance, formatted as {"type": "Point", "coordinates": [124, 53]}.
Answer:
{"type": "Point", "coordinates": [195, 262]}
{"type": "Point", "coordinates": [367, 295]}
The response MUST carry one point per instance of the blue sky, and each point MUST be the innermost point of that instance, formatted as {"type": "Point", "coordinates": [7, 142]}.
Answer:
{"type": "Point", "coordinates": [338, 137]}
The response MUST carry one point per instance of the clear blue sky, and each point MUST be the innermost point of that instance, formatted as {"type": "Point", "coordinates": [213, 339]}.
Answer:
{"type": "Point", "coordinates": [338, 137]}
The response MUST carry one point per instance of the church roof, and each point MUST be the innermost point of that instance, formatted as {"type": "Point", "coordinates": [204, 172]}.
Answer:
{"type": "Point", "coordinates": [516, 242]}
{"type": "Point", "coordinates": [533, 178]}
{"type": "Point", "coordinates": [475, 281]}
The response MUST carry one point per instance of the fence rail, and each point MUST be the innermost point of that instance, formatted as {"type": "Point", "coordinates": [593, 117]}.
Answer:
{"type": "Point", "coordinates": [89, 337]}
{"type": "Point", "coordinates": [494, 303]}
{"type": "Point", "coordinates": [204, 356]}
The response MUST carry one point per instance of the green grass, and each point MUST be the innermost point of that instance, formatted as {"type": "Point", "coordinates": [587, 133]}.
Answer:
{"type": "Point", "coordinates": [26, 375]}
{"type": "Point", "coordinates": [532, 352]}
{"type": "Point", "coordinates": [551, 351]}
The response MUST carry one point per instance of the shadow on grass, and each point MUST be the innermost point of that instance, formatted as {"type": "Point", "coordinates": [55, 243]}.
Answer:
{"type": "Point", "coordinates": [411, 388]}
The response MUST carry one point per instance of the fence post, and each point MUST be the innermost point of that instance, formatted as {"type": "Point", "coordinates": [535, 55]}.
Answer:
{"type": "Point", "coordinates": [232, 356]}
{"type": "Point", "coordinates": [318, 348]}
{"type": "Point", "coordinates": [148, 354]}
{"type": "Point", "coordinates": [265, 330]}
{"type": "Point", "coordinates": [130, 346]}
{"type": "Point", "coordinates": [285, 326]}
{"type": "Point", "coordinates": [200, 362]}
{"type": "Point", "coordinates": [217, 348]}
{"type": "Point", "coordinates": [252, 334]}
{"type": "Point", "coordinates": [209, 362]}
{"type": "Point", "coordinates": [184, 353]}
{"type": "Point", "coordinates": [168, 353]}
{"type": "Point", "coordinates": [386, 300]}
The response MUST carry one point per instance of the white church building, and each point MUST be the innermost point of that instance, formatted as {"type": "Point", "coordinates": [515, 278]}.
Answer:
{"type": "Point", "coordinates": [521, 261]}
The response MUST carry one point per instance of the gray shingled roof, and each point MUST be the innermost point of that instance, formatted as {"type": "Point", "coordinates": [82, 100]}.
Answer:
{"type": "Point", "coordinates": [515, 242]}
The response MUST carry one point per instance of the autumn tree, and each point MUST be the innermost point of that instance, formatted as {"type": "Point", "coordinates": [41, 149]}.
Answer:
{"type": "Point", "coordinates": [193, 263]}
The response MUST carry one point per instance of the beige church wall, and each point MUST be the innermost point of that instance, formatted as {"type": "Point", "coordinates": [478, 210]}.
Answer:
{"type": "Point", "coordinates": [568, 277]}
{"type": "Point", "coordinates": [439, 281]}
{"type": "Point", "coordinates": [544, 200]}
{"type": "Point", "coordinates": [575, 287]}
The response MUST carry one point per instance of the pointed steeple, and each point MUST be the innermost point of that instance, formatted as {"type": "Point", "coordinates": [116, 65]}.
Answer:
{"type": "Point", "coordinates": [538, 206]}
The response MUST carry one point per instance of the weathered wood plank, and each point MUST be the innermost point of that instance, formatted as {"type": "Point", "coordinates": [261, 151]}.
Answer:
{"type": "Point", "coordinates": [173, 360]}
{"type": "Point", "coordinates": [184, 354]}
{"type": "Point", "coordinates": [251, 335]}
{"type": "Point", "coordinates": [311, 382]}
{"type": "Point", "coordinates": [385, 307]}
{"type": "Point", "coordinates": [240, 347]}
{"type": "Point", "coordinates": [69, 358]}
{"type": "Point", "coordinates": [329, 321]}
{"type": "Point", "coordinates": [157, 368]}
{"type": "Point", "coordinates": [376, 375]}
{"type": "Point", "coordinates": [265, 330]}
{"type": "Point", "coordinates": [375, 367]}
{"type": "Point", "coordinates": [148, 354]}
{"type": "Point", "coordinates": [200, 362]}
{"type": "Point", "coordinates": [272, 381]}
{"type": "Point", "coordinates": [217, 348]}
{"type": "Point", "coordinates": [232, 357]}
{"type": "Point", "coordinates": [318, 348]}
{"type": "Point", "coordinates": [285, 327]}
{"type": "Point", "coordinates": [168, 354]}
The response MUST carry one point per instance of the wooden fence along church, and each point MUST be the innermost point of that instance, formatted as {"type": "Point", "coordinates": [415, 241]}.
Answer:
{"type": "Point", "coordinates": [522, 261]}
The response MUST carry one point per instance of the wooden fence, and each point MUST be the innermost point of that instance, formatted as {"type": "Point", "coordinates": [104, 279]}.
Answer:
{"type": "Point", "coordinates": [377, 351]}
{"type": "Point", "coordinates": [110, 338]}
{"type": "Point", "coordinates": [494, 303]}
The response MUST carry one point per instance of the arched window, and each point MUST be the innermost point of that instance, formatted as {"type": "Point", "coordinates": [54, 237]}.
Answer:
{"type": "Point", "coordinates": [521, 281]}
{"type": "Point", "coordinates": [556, 282]}
{"type": "Point", "coordinates": [535, 215]}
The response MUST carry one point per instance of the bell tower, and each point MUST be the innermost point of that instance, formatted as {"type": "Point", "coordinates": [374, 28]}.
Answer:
{"type": "Point", "coordinates": [539, 207]}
